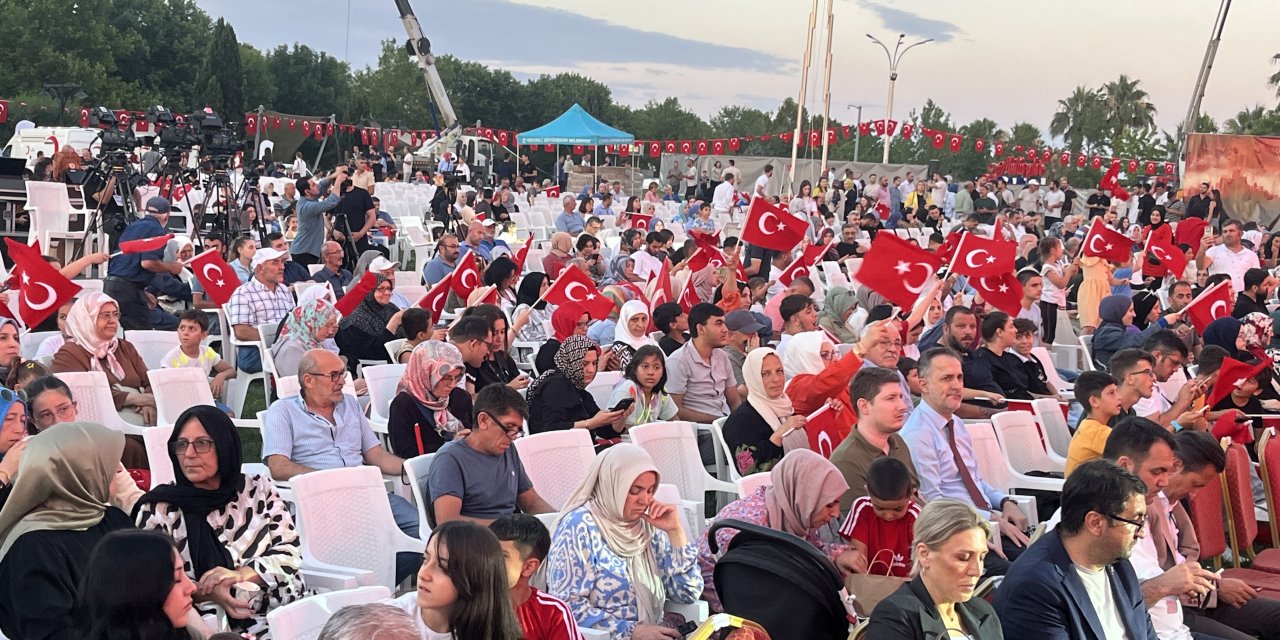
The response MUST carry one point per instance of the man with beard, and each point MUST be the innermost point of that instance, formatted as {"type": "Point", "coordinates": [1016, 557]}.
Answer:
{"type": "Point", "coordinates": [960, 334]}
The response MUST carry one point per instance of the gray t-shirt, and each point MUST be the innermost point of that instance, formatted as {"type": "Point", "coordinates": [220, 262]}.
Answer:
{"type": "Point", "coordinates": [488, 485]}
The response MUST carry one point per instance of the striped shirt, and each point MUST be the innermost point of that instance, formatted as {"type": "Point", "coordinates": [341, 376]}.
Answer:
{"type": "Point", "coordinates": [546, 617]}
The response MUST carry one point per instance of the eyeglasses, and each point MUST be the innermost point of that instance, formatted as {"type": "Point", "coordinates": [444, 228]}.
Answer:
{"type": "Point", "coordinates": [202, 445]}
{"type": "Point", "coordinates": [512, 432]}
{"type": "Point", "coordinates": [62, 412]}
{"type": "Point", "coordinates": [1144, 372]}
{"type": "Point", "coordinates": [108, 315]}
{"type": "Point", "coordinates": [334, 377]}
{"type": "Point", "coordinates": [1136, 524]}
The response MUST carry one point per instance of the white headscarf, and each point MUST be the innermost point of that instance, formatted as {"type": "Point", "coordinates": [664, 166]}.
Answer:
{"type": "Point", "coordinates": [621, 333]}
{"type": "Point", "coordinates": [604, 493]}
{"type": "Point", "coordinates": [82, 329]}
{"type": "Point", "coordinates": [324, 292]}
{"type": "Point", "coordinates": [773, 410]}
{"type": "Point", "coordinates": [804, 354]}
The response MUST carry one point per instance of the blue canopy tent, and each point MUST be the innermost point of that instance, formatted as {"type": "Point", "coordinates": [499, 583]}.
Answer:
{"type": "Point", "coordinates": [575, 126]}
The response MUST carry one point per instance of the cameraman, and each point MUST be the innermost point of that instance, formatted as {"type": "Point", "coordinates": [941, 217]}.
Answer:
{"type": "Point", "coordinates": [355, 215]}
{"type": "Point", "coordinates": [310, 237]}
{"type": "Point", "coordinates": [129, 274]}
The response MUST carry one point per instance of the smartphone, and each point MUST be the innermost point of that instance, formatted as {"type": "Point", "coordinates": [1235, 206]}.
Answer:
{"type": "Point", "coordinates": [623, 404]}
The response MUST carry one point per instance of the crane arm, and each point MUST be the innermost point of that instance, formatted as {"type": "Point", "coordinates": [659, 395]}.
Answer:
{"type": "Point", "coordinates": [420, 48]}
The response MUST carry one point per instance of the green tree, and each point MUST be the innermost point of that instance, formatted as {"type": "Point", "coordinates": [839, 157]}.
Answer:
{"type": "Point", "coordinates": [309, 82]}
{"type": "Point", "coordinates": [1246, 121]}
{"type": "Point", "coordinates": [1128, 105]}
{"type": "Point", "coordinates": [259, 84]}
{"type": "Point", "coordinates": [1025, 134]}
{"type": "Point", "coordinates": [658, 119]}
{"type": "Point", "coordinates": [159, 33]}
{"type": "Point", "coordinates": [1080, 118]}
{"type": "Point", "coordinates": [478, 93]}
{"type": "Point", "coordinates": [221, 81]}
{"type": "Point", "coordinates": [64, 42]}
{"type": "Point", "coordinates": [549, 96]}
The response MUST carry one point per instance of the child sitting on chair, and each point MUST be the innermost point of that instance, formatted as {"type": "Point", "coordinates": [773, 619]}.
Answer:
{"type": "Point", "coordinates": [525, 543]}
{"type": "Point", "coordinates": [193, 328]}
{"type": "Point", "coordinates": [879, 526]}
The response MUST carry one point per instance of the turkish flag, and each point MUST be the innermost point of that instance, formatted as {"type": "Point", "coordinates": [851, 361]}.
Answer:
{"type": "Point", "coordinates": [435, 297]}
{"type": "Point", "coordinates": [84, 117]}
{"type": "Point", "coordinates": [609, 149]}
{"type": "Point", "coordinates": [890, 126]}
{"type": "Point", "coordinates": [553, 192]}
{"type": "Point", "coordinates": [328, 129]}
{"type": "Point", "coordinates": [1064, 158]}
{"type": "Point", "coordinates": [1095, 162]}
{"type": "Point", "coordinates": [4, 111]}
{"type": "Point", "coordinates": [641, 221]}
{"type": "Point", "coordinates": [702, 147]}
{"type": "Point", "coordinates": [364, 136]}
{"type": "Point", "coordinates": [1190, 231]}
{"type": "Point", "coordinates": [42, 289]}
{"type": "Point", "coordinates": [717, 147]}
{"type": "Point", "coordinates": [250, 123]}
{"type": "Point", "coordinates": [706, 255]}
{"type": "Point", "coordinates": [766, 137]}
{"type": "Point", "coordinates": [522, 254]}
{"type": "Point", "coordinates": [882, 210]}
{"type": "Point", "coordinates": [413, 138]}
{"type": "Point", "coordinates": [897, 269]}
{"type": "Point", "coordinates": [146, 244]}
{"type": "Point", "coordinates": [1211, 304]}
{"type": "Point", "coordinates": [1168, 166]}
{"type": "Point", "coordinates": [803, 265]}
{"type": "Point", "coordinates": [844, 131]}
{"type": "Point", "coordinates": [821, 428]}
{"type": "Point", "coordinates": [999, 148]}
{"type": "Point", "coordinates": [1045, 155]}
{"type": "Point", "coordinates": [275, 122]}
{"type": "Point", "coordinates": [1103, 242]}
{"type": "Point", "coordinates": [655, 150]}
{"type": "Point", "coordinates": [579, 149]}
{"type": "Point", "coordinates": [548, 147]}
{"type": "Point", "coordinates": [466, 276]}
{"type": "Point", "coordinates": [955, 142]}
{"type": "Point", "coordinates": [735, 144]}
{"type": "Point", "coordinates": [907, 130]}
{"type": "Point", "coordinates": [306, 128]}
{"type": "Point", "coordinates": [938, 139]}
{"type": "Point", "coordinates": [772, 227]}
{"type": "Point", "coordinates": [1172, 261]}
{"type": "Point", "coordinates": [1110, 181]}
{"type": "Point", "coordinates": [879, 124]}
{"type": "Point", "coordinates": [688, 295]}
{"type": "Point", "coordinates": [1231, 375]}
{"type": "Point", "coordinates": [977, 256]}
{"type": "Point", "coordinates": [979, 145]}
{"type": "Point", "coordinates": [504, 137]}
{"type": "Point", "coordinates": [572, 285]}
{"type": "Point", "coordinates": [686, 146]}
{"type": "Point", "coordinates": [669, 146]}
{"type": "Point", "coordinates": [659, 287]}
{"type": "Point", "coordinates": [215, 275]}
{"type": "Point", "coordinates": [1133, 166]}
{"type": "Point", "coordinates": [1003, 292]}
{"type": "Point", "coordinates": [348, 302]}
{"type": "Point", "coordinates": [864, 128]}
{"type": "Point", "coordinates": [1031, 154]}
{"type": "Point", "coordinates": [1081, 160]}
{"type": "Point", "coordinates": [1150, 167]}
{"type": "Point", "coordinates": [815, 138]}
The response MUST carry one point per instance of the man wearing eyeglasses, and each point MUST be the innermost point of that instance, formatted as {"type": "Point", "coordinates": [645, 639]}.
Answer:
{"type": "Point", "coordinates": [321, 428]}
{"type": "Point", "coordinates": [480, 478]}
{"type": "Point", "coordinates": [129, 274]}
{"type": "Point", "coordinates": [446, 258]}
{"type": "Point", "coordinates": [1134, 371]}
{"type": "Point", "coordinates": [1076, 581]}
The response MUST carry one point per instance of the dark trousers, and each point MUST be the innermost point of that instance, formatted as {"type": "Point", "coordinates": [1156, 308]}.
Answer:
{"type": "Point", "coordinates": [362, 245]}
{"type": "Point", "coordinates": [305, 259]}
{"type": "Point", "coordinates": [132, 300]}
{"type": "Point", "coordinates": [1258, 618]}
{"type": "Point", "coordinates": [1048, 322]}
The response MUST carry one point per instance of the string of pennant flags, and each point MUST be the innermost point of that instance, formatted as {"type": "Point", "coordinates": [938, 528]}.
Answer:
{"type": "Point", "coordinates": [1005, 159]}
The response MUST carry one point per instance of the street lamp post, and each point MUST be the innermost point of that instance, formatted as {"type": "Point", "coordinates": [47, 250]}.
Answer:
{"type": "Point", "coordinates": [62, 93]}
{"type": "Point", "coordinates": [894, 59]}
{"type": "Point", "coordinates": [857, 140]}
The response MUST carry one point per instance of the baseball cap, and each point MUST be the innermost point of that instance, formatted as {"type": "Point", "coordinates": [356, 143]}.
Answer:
{"type": "Point", "coordinates": [380, 264]}
{"type": "Point", "coordinates": [157, 204]}
{"type": "Point", "coordinates": [1033, 183]}
{"type": "Point", "coordinates": [263, 255]}
{"type": "Point", "coordinates": [742, 321]}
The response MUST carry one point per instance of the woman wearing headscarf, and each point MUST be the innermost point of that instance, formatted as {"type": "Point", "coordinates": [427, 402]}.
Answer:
{"type": "Point", "coordinates": [622, 271]}
{"type": "Point", "coordinates": [13, 430]}
{"type": "Point", "coordinates": [1256, 333]}
{"type": "Point", "coordinates": [1146, 308]}
{"type": "Point", "coordinates": [10, 345]}
{"type": "Point", "coordinates": [68, 497]}
{"type": "Point", "coordinates": [803, 496]}
{"type": "Point", "coordinates": [372, 324]}
{"type": "Point", "coordinates": [173, 291]}
{"type": "Point", "coordinates": [532, 286]}
{"type": "Point", "coordinates": [764, 427]}
{"type": "Point", "coordinates": [560, 254]}
{"type": "Point", "coordinates": [368, 261]}
{"type": "Point", "coordinates": [569, 319]}
{"type": "Point", "coordinates": [559, 400]}
{"type": "Point", "coordinates": [837, 308]}
{"type": "Point", "coordinates": [818, 375]}
{"type": "Point", "coordinates": [617, 555]}
{"type": "Point", "coordinates": [430, 407]}
{"type": "Point", "coordinates": [229, 527]}
{"type": "Point", "coordinates": [1158, 231]}
{"type": "Point", "coordinates": [631, 332]}
{"type": "Point", "coordinates": [308, 326]}
{"type": "Point", "coordinates": [864, 301]}
{"type": "Point", "coordinates": [1225, 333]}
{"type": "Point", "coordinates": [92, 345]}
{"type": "Point", "coordinates": [1113, 333]}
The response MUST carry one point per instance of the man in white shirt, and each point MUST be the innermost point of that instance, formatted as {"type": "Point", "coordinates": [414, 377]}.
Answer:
{"type": "Point", "coordinates": [733, 169]}
{"type": "Point", "coordinates": [1230, 257]}
{"type": "Point", "coordinates": [1053, 201]}
{"type": "Point", "coordinates": [1169, 353]}
{"type": "Point", "coordinates": [1029, 198]}
{"type": "Point", "coordinates": [722, 198]}
{"type": "Point", "coordinates": [690, 176]}
{"type": "Point", "coordinates": [762, 183]}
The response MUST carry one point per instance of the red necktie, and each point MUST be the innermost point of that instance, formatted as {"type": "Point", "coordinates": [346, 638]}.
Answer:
{"type": "Point", "coordinates": [975, 494]}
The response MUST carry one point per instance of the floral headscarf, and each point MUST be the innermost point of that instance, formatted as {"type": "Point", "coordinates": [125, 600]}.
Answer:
{"type": "Point", "coordinates": [82, 329]}
{"type": "Point", "coordinates": [430, 362]}
{"type": "Point", "coordinates": [618, 270]}
{"type": "Point", "coordinates": [1257, 329]}
{"type": "Point", "coordinates": [305, 320]}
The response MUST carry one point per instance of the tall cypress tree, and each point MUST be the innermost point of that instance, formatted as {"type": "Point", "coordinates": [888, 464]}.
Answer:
{"type": "Point", "coordinates": [221, 82]}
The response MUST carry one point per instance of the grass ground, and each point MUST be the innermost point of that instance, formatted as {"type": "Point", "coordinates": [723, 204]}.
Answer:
{"type": "Point", "coordinates": [251, 439]}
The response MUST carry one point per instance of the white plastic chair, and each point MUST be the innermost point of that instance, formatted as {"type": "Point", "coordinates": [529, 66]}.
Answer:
{"type": "Point", "coordinates": [152, 346]}
{"type": "Point", "coordinates": [995, 467]}
{"type": "Point", "coordinates": [1042, 355]}
{"type": "Point", "coordinates": [305, 618]}
{"type": "Point", "coordinates": [93, 400]}
{"type": "Point", "coordinates": [602, 386]}
{"type": "Point", "coordinates": [382, 380]}
{"type": "Point", "coordinates": [51, 213]}
{"type": "Point", "coordinates": [394, 346]}
{"type": "Point", "coordinates": [344, 520]}
{"type": "Point", "coordinates": [416, 469]}
{"type": "Point", "coordinates": [30, 342]}
{"type": "Point", "coordinates": [1086, 345]}
{"type": "Point", "coordinates": [238, 387]}
{"type": "Point", "coordinates": [177, 390]}
{"type": "Point", "coordinates": [1056, 432]}
{"type": "Point", "coordinates": [408, 279]}
{"type": "Point", "coordinates": [730, 467]}
{"type": "Point", "coordinates": [1020, 439]}
{"type": "Point", "coordinates": [674, 449]}
{"type": "Point", "coordinates": [156, 440]}
{"type": "Point", "coordinates": [747, 485]}
{"type": "Point", "coordinates": [556, 462]}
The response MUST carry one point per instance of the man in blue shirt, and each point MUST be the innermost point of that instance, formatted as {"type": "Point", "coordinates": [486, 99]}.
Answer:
{"type": "Point", "coordinates": [569, 220]}
{"type": "Point", "coordinates": [446, 258]}
{"type": "Point", "coordinates": [129, 274]}
{"type": "Point", "coordinates": [311, 209]}
{"type": "Point", "coordinates": [603, 209]}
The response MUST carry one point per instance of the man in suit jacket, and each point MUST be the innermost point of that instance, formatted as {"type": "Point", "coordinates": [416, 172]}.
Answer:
{"type": "Point", "coordinates": [1076, 582]}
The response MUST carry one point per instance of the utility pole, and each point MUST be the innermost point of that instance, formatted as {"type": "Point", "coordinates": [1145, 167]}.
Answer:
{"type": "Point", "coordinates": [894, 59]}
{"type": "Point", "coordinates": [857, 140]}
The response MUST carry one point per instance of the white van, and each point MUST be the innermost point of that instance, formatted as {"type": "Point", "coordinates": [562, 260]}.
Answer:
{"type": "Point", "coordinates": [27, 142]}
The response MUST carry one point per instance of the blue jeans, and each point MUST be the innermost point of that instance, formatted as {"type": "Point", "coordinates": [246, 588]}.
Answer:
{"type": "Point", "coordinates": [406, 516]}
{"type": "Point", "coordinates": [249, 360]}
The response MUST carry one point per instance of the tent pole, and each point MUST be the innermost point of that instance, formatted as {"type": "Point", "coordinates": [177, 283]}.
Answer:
{"type": "Point", "coordinates": [804, 88]}
{"type": "Point", "coordinates": [826, 89]}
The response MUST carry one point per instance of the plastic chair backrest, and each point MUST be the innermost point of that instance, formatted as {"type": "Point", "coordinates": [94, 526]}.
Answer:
{"type": "Point", "coordinates": [287, 386]}
{"type": "Point", "coordinates": [991, 458]}
{"type": "Point", "coordinates": [1268, 448]}
{"type": "Point", "coordinates": [674, 449]}
{"type": "Point", "coordinates": [670, 494]}
{"type": "Point", "coordinates": [30, 342]}
{"type": "Point", "coordinates": [93, 400]}
{"type": "Point", "coordinates": [602, 386]}
{"type": "Point", "coordinates": [1020, 440]}
{"type": "Point", "coordinates": [393, 347]}
{"type": "Point", "coordinates": [176, 390]}
{"type": "Point", "coordinates": [152, 346]}
{"type": "Point", "coordinates": [305, 618]}
{"type": "Point", "coordinates": [1046, 361]}
{"type": "Point", "coordinates": [382, 380]}
{"type": "Point", "coordinates": [408, 279]}
{"type": "Point", "coordinates": [556, 462]}
{"type": "Point", "coordinates": [1239, 488]}
{"type": "Point", "coordinates": [747, 485]}
{"type": "Point", "coordinates": [1055, 426]}
{"type": "Point", "coordinates": [1086, 343]}
{"type": "Point", "coordinates": [417, 468]}
{"type": "Point", "coordinates": [156, 440]}
{"type": "Point", "coordinates": [717, 432]}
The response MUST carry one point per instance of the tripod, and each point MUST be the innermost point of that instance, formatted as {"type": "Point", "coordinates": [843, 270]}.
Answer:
{"type": "Point", "coordinates": [116, 183]}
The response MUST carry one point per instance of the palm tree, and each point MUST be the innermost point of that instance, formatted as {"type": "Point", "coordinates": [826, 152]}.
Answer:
{"type": "Point", "coordinates": [1246, 120]}
{"type": "Point", "coordinates": [1024, 133]}
{"type": "Point", "coordinates": [1078, 117]}
{"type": "Point", "coordinates": [1128, 105]}
{"type": "Point", "coordinates": [1274, 80]}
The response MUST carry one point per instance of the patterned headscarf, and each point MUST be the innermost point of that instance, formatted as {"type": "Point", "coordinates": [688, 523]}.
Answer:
{"type": "Point", "coordinates": [430, 362]}
{"type": "Point", "coordinates": [617, 270]}
{"type": "Point", "coordinates": [82, 329]}
{"type": "Point", "coordinates": [1256, 328]}
{"type": "Point", "coordinates": [305, 320]}
{"type": "Point", "coordinates": [369, 316]}
{"type": "Point", "coordinates": [568, 362]}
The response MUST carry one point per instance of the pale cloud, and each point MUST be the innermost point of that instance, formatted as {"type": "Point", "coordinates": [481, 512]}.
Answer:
{"type": "Point", "coordinates": [911, 24]}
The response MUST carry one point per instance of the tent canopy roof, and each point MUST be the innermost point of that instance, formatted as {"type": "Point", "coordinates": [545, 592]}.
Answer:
{"type": "Point", "coordinates": [575, 126]}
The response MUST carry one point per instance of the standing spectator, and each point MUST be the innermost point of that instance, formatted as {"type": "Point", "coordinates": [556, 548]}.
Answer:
{"type": "Point", "coordinates": [1054, 202]}
{"type": "Point", "coordinates": [1030, 200]}
{"type": "Point", "coordinates": [1230, 257]}
{"type": "Point", "coordinates": [307, 243]}
{"type": "Point", "coordinates": [1098, 203]}
{"type": "Point", "coordinates": [353, 221]}
{"type": "Point", "coordinates": [129, 274]}
{"type": "Point", "coordinates": [1198, 204]}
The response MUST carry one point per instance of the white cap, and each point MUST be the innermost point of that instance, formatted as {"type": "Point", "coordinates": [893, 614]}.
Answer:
{"type": "Point", "coordinates": [486, 221]}
{"type": "Point", "coordinates": [380, 264]}
{"type": "Point", "coordinates": [263, 255]}
{"type": "Point", "coordinates": [1033, 183]}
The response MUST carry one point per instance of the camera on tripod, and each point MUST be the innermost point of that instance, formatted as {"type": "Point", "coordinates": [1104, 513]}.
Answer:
{"type": "Point", "coordinates": [117, 142]}
{"type": "Point", "coordinates": [174, 136]}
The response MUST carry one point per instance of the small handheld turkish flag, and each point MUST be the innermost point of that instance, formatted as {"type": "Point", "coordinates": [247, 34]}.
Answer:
{"type": "Point", "coordinates": [433, 300]}
{"type": "Point", "coordinates": [553, 192]}
{"type": "Point", "coordinates": [572, 285]}
{"type": "Point", "coordinates": [215, 275]}
{"type": "Point", "coordinates": [41, 288]}
{"type": "Point", "coordinates": [1211, 304]}
{"type": "Point", "coordinates": [772, 227]}
{"type": "Point", "coordinates": [466, 276]}
{"type": "Point", "coordinates": [978, 257]}
{"type": "Point", "coordinates": [522, 254]}
{"type": "Point", "coordinates": [1231, 376]}
{"type": "Point", "coordinates": [820, 426]}
{"type": "Point", "coordinates": [347, 303]}
{"type": "Point", "coordinates": [1003, 292]}
{"type": "Point", "coordinates": [660, 288]}
{"type": "Point", "coordinates": [146, 244]}
{"type": "Point", "coordinates": [803, 265]}
{"type": "Point", "coordinates": [688, 296]}
{"type": "Point", "coordinates": [1104, 242]}
{"type": "Point", "coordinates": [897, 269]}
{"type": "Point", "coordinates": [1170, 258]}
